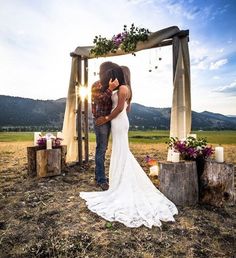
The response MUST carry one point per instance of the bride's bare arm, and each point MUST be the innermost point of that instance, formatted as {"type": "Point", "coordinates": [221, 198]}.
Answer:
{"type": "Point", "coordinates": [122, 97]}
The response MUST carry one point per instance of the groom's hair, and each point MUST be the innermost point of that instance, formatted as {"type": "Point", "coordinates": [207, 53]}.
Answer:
{"type": "Point", "coordinates": [110, 70]}
{"type": "Point", "coordinates": [104, 67]}
{"type": "Point", "coordinates": [116, 73]}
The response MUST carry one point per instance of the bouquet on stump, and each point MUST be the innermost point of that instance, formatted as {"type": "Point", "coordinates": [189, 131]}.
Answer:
{"type": "Point", "coordinates": [191, 148]}
{"type": "Point", "coordinates": [42, 141]}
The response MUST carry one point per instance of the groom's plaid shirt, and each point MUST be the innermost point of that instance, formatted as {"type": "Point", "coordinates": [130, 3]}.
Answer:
{"type": "Point", "coordinates": [101, 101]}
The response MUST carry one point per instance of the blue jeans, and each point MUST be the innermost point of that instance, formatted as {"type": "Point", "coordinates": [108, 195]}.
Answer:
{"type": "Point", "coordinates": [102, 133]}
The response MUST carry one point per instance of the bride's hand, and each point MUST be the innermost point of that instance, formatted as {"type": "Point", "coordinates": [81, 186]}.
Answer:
{"type": "Point", "coordinates": [101, 120]}
{"type": "Point", "coordinates": [113, 84]}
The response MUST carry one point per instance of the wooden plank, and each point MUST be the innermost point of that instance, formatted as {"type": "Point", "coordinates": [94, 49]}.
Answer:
{"type": "Point", "coordinates": [79, 112]}
{"type": "Point", "coordinates": [86, 130]}
{"type": "Point", "coordinates": [182, 33]}
{"type": "Point", "coordinates": [175, 50]}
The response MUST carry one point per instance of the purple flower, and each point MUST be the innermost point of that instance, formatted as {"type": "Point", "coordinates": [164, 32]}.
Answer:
{"type": "Point", "coordinates": [180, 146]}
{"type": "Point", "coordinates": [191, 152]}
{"type": "Point", "coordinates": [57, 142]}
{"type": "Point", "coordinates": [207, 152]}
{"type": "Point", "coordinates": [147, 159]}
{"type": "Point", "coordinates": [42, 141]}
{"type": "Point", "coordinates": [119, 38]}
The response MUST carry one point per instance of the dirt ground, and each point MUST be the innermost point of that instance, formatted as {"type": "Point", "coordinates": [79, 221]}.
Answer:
{"type": "Point", "coordinates": [47, 218]}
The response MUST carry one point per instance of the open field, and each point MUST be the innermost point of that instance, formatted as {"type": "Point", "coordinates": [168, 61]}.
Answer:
{"type": "Point", "coordinates": [47, 218]}
{"type": "Point", "coordinates": [213, 137]}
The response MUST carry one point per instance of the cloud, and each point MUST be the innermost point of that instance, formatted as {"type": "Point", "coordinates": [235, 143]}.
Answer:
{"type": "Point", "coordinates": [140, 1]}
{"type": "Point", "coordinates": [211, 12]}
{"type": "Point", "coordinates": [221, 50]}
{"type": "Point", "coordinates": [216, 65]}
{"type": "Point", "coordinates": [177, 8]}
{"type": "Point", "coordinates": [205, 56]}
{"type": "Point", "coordinates": [201, 63]}
{"type": "Point", "coordinates": [230, 89]}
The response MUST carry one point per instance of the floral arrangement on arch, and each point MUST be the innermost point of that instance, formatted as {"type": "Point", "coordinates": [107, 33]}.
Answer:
{"type": "Point", "coordinates": [126, 41]}
{"type": "Point", "coordinates": [191, 148]}
{"type": "Point", "coordinates": [42, 140]}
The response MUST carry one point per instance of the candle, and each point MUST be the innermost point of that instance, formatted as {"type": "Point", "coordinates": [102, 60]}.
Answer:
{"type": "Point", "coordinates": [49, 144]}
{"type": "Point", "coordinates": [154, 170]}
{"type": "Point", "coordinates": [219, 154]}
{"type": "Point", "coordinates": [175, 157]}
{"type": "Point", "coordinates": [36, 137]}
{"type": "Point", "coordinates": [169, 155]}
{"type": "Point", "coordinates": [59, 135]}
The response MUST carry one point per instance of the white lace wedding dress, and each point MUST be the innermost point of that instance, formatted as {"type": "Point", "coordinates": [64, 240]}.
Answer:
{"type": "Point", "coordinates": [132, 199]}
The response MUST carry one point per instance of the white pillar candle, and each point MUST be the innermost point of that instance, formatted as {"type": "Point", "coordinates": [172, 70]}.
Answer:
{"type": "Point", "coordinates": [49, 144]}
{"type": "Point", "coordinates": [175, 157]}
{"type": "Point", "coordinates": [36, 137]}
{"type": "Point", "coordinates": [169, 155]}
{"type": "Point", "coordinates": [219, 154]}
{"type": "Point", "coordinates": [154, 170]}
{"type": "Point", "coordinates": [59, 135]}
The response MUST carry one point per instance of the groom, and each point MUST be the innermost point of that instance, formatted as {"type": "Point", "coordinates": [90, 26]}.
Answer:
{"type": "Point", "coordinates": [101, 106]}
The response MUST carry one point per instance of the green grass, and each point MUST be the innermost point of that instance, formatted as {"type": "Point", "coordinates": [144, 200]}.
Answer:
{"type": "Point", "coordinates": [218, 137]}
{"type": "Point", "coordinates": [214, 137]}
{"type": "Point", "coordinates": [148, 136]}
{"type": "Point", "coordinates": [16, 136]}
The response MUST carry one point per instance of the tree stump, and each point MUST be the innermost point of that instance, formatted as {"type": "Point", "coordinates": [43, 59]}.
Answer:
{"type": "Point", "coordinates": [31, 157]}
{"type": "Point", "coordinates": [217, 183]}
{"type": "Point", "coordinates": [48, 162]}
{"type": "Point", "coordinates": [179, 182]}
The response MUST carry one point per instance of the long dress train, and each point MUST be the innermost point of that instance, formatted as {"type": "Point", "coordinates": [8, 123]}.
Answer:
{"type": "Point", "coordinates": [132, 199]}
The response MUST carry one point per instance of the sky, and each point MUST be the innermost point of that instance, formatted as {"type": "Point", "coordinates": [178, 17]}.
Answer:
{"type": "Point", "coordinates": [37, 36]}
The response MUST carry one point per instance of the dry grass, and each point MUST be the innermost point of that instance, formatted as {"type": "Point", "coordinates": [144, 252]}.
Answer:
{"type": "Point", "coordinates": [47, 218]}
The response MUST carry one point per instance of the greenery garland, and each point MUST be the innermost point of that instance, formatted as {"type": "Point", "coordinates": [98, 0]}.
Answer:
{"type": "Point", "coordinates": [126, 41]}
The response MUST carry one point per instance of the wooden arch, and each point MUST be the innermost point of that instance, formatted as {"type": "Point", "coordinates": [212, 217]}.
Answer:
{"type": "Point", "coordinates": [75, 126]}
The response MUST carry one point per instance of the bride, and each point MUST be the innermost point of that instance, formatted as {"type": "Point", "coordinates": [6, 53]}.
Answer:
{"type": "Point", "coordinates": [131, 199]}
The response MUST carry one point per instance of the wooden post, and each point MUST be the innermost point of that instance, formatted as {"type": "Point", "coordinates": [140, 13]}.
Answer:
{"type": "Point", "coordinates": [48, 162]}
{"type": "Point", "coordinates": [175, 50]}
{"type": "Point", "coordinates": [217, 184]}
{"type": "Point", "coordinates": [179, 182]}
{"type": "Point", "coordinates": [79, 113]}
{"type": "Point", "coordinates": [86, 138]}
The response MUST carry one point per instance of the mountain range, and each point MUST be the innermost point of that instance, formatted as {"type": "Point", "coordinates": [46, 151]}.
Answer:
{"type": "Point", "coordinates": [27, 113]}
